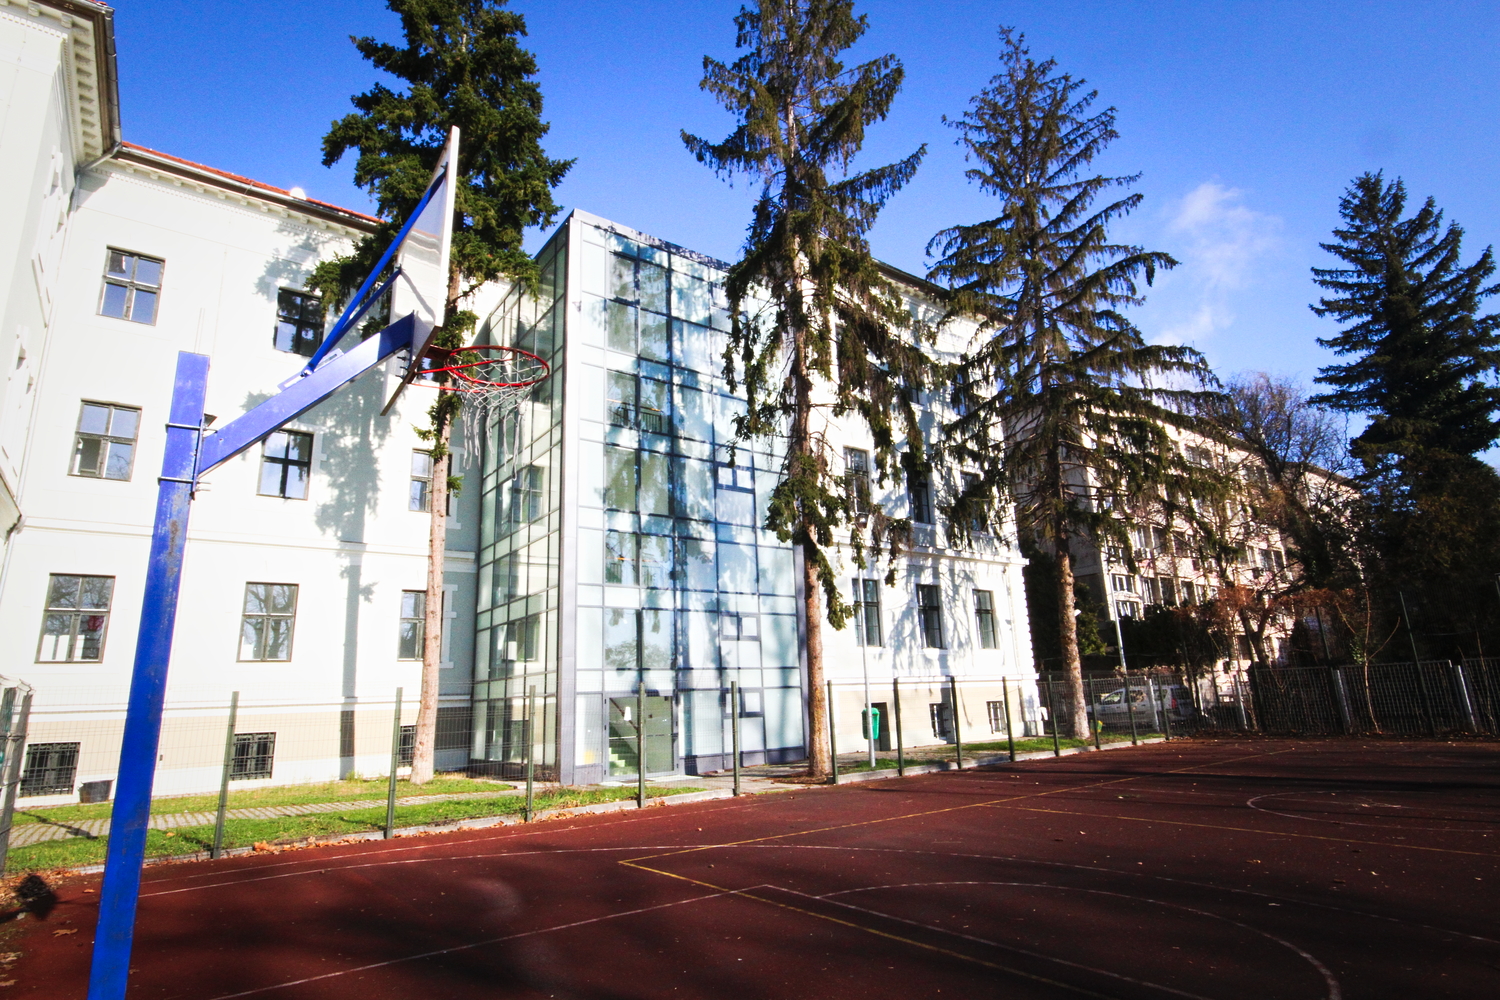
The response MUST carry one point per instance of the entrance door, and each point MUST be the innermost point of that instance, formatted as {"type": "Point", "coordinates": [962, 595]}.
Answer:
{"type": "Point", "coordinates": [623, 735]}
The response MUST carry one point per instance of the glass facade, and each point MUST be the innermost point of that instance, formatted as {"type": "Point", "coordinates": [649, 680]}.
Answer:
{"type": "Point", "coordinates": [645, 563]}
{"type": "Point", "coordinates": [518, 613]}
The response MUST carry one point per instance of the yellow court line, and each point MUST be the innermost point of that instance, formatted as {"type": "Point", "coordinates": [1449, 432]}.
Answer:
{"type": "Point", "coordinates": [746, 894]}
{"type": "Point", "coordinates": [938, 812]}
{"type": "Point", "coordinates": [1244, 829]}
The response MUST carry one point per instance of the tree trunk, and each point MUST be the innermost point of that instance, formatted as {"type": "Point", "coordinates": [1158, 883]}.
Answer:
{"type": "Point", "coordinates": [437, 545]}
{"type": "Point", "coordinates": [820, 762]}
{"type": "Point", "coordinates": [1067, 631]}
{"type": "Point", "coordinates": [432, 625]}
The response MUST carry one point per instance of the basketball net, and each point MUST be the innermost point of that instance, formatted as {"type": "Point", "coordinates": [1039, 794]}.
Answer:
{"type": "Point", "coordinates": [490, 379]}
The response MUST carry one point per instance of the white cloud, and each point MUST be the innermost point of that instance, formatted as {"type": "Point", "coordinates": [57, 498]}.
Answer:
{"type": "Point", "coordinates": [1219, 242]}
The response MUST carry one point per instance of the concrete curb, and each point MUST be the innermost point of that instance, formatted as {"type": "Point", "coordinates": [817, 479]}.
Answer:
{"type": "Point", "coordinates": [619, 805]}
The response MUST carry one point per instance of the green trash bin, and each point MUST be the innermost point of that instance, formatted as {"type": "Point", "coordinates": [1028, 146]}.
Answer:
{"type": "Point", "coordinates": [869, 724]}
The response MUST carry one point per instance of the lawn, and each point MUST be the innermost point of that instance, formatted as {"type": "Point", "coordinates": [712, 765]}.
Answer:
{"type": "Point", "coordinates": [76, 851]}
{"type": "Point", "coordinates": [284, 795]}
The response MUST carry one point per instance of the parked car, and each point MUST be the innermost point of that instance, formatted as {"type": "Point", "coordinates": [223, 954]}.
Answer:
{"type": "Point", "coordinates": [1112, 711]}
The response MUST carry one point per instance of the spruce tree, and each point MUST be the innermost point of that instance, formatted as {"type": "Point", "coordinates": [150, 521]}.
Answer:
{"type": "Point", "coordinates": [463, 65]}
{"type": "Point", "coordinates": [1061, 404]}
{"type": "Point", "coordinates": [835, 332]}
{"type": "Point", "coordinates": [1423, 370]}
{"type": "Point", "coordinates": [1424, 357]}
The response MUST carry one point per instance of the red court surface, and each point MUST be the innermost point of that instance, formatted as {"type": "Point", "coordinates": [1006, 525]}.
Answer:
{"type": "Point", "coordinates": [1197, 869]}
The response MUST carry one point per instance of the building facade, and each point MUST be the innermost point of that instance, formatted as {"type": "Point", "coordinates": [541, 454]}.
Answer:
{"type": "Point", "coordinates": [607, 545]}
{"type": "Point", "coordinates": [621, 543]}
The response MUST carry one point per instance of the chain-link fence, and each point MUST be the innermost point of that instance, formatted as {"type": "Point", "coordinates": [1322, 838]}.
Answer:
{"type": "Point", "coordinates": [263, 768]}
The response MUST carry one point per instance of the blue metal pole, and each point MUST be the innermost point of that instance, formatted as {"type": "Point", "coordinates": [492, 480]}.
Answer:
{"type": "Point", "coordinates": [148, 686]}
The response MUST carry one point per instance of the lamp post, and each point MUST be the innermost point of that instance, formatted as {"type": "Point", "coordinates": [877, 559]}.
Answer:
{"type": "Point", "coordinates": [861, 520]}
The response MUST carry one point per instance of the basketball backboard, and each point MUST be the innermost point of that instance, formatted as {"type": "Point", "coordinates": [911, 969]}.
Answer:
{"type": "Point", "coordinates": [421, 287]}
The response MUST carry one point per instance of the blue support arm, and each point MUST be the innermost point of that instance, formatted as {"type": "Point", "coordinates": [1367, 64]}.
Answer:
{"type": "Point", "coordinates": [302, 395]}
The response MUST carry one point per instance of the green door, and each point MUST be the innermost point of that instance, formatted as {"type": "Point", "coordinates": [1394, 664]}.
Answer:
{"type": "Point", "coordinates": [623, 735]}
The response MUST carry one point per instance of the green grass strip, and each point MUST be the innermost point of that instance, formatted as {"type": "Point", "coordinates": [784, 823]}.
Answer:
{"type": "Point", "coordinates": [285, 795]}
{"type": "Point", "coordinates": [78, 851]}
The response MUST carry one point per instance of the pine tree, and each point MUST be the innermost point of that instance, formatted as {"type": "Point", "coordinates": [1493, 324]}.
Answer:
{"type": "Point", "coordinates": [464, 66]}
{"type": "Point", "coordinates": [834, 335]}
{"type": "Point", "coordinates": [1425, 359]}
{"type": "Point", "coordinates": [1058, 404]}
{"type": "Point", "coordinates": [1424, 371]}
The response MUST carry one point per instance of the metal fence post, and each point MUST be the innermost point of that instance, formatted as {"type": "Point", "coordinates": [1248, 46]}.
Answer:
{"type": "Point", "coordinates": [896, 721]}
{"type": "Point", "coordinates": [1052, 717]}
{"type": "Point", "coordinates": [1341, 695]}
{"type": "Point", "coordinates": [1159, 705]}
{"type": "Point", "coordinates": [734, 729]}
{"type": "Point", "coordinates": [1010, 722]}
{"type": "Point", "coordinates": [234, 712]}
{"type": "Point", "coordinates": [1239, 700]}
{"type": "Point", "coordinates": [1463, 695]}
{"type": "Point", "coordinates": [530, 751]}
{"type": "Point", "coordinates": [1095, 723]}
{"type": "Point", "coordinates": [14, 745]}
{"type": "Point", "coordinates": [958, 736]}
{"type": "Point", "coordinates": [640, 745]}
{"type": "Point", "coordinates": [833, 742]}
{"type": "Point", "coordinates": [390, 784]}
{"type": "Point", "coordinates": [1130, 712]}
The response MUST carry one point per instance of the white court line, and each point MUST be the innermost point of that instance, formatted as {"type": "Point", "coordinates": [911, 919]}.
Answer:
{"type": "Point", "coordinates": [1289, 900]}
{"type": "Point", "coordinates": [1334, 993]}
{"type": "Point", "coordinates": [476, 944]}
{"type": "Point", "coordinates": [1357, 793]}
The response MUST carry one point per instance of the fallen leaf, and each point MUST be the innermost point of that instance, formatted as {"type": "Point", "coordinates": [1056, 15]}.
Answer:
{"type": "Point", "coordinates": [7, 982]}
{"type": "Point", "coordinates": [171, 833]}
{"type": "Point", "coordinates": [64, 930]}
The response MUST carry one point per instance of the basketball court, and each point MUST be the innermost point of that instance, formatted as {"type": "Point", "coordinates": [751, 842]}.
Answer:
{"type": "Point", "coordinates": [1200, 869]}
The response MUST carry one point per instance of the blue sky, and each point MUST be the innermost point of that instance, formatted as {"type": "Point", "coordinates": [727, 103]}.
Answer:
{"type": "Point", "coordinates": [1245, 119]}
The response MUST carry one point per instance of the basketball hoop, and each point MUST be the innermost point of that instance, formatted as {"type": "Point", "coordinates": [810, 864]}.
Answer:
{"type": "Point", "coordinates": [492, 379]}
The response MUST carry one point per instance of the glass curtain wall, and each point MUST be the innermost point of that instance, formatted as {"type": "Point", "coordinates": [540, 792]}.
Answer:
{"type": "Point", "coordinates": [520, 537]}
{"type": "Point", "coordinates": [678, 587]}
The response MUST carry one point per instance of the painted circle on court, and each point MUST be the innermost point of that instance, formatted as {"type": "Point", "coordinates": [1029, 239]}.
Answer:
{"type": "Point", "coordinates": [1387, 810]}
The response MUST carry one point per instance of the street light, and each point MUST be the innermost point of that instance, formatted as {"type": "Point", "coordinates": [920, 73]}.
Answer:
{"type": "Point", "coordinates": [861, 521]}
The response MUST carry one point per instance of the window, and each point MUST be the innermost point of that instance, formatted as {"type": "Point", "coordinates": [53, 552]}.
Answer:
{"type": "Point", "coordinates": [1168, 588]}
{"type": "Point", "coordinates": [253, 755]}
{"type": "Point", "coordinates": [105, 445]}
{"type": "Point", "coordinates": [942, 719]}
{"type": "Point", "coordinates": [413, 624]}
{"type": "Point", "coordinates": [266, 629]}
{"type": "Point", "coordinates": [526, 494]}
{"type": "Point", "coordinates": [919, 488]}
{"type": "Point", "coordinates": [406, 750]}
{"type": "Point", "coordinates": [1127, 609]}
{"type": "Point", "coordinates": [1123, 583]}
{"type": "Point", "coordinates": [930, 615]}
{"type": "Point", "coordinates": [1189, 592]}
{"type": "Point", "coordinates": [1280, 559]}
{"type": "Point", "coordinates": [620, 557]}
{"type": "Point", "coordinates": [867, 608]}
{"type": "Point", "coordinates": [285, 464]}
{"type": "Point", "coordinates": [132, 286]}
{"type": "Point", "coordinates": [739, 628]}
{"type": "Point", "coordinates": [299, 322]}
{"type": "Point", "coordinates": [76, 618]}
{"type": "Point", "coordinates": [977, 523]}
{"type": "Point", "coordinates": [984, 618]}
{"type": "Point", "coordinates": [996, 711]}
{"type": "Point", "coordinates": [420, 497]}
{"type": "Point", "coordinates": [1149, 590]}
{"type": "Point", "coordinates": [521, 638]}
{"type": "Point", "coordinates": [857, 479]}
{"type": "Point", "coordinates": [637, 402]}
{"type": "Point", "coordinates": [51, 769]}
